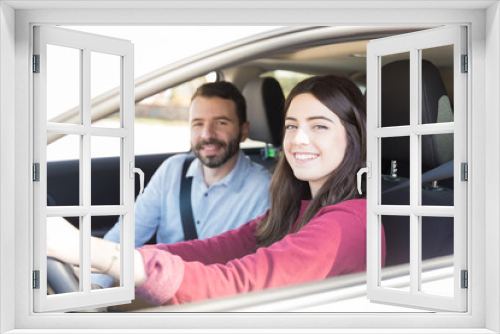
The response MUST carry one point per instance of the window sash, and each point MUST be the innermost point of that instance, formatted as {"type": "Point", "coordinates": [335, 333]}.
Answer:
{"type": "Point", "coordinates": [412, 43]}
{"type": "Point", "coordinates": [85, 43]}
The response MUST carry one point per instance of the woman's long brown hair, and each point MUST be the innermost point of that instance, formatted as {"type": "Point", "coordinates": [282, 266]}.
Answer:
{"type": "Point", "coordinates": [344, 99]}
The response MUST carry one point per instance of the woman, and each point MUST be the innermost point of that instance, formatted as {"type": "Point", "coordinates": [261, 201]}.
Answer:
{"type": "Point", "coordinates": [316, 227]}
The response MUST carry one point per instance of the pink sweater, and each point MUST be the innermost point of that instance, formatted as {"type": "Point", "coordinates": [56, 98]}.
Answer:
{"type": "Point", "coordinates": [332, 243]}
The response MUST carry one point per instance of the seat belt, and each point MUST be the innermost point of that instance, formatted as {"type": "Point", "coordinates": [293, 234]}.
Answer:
{"type": "Point", "coordinates": [185, 202]}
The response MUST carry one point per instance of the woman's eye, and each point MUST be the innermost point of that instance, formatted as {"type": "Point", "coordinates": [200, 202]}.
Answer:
{"type": "Point", "coordinates": [290, 127]}
{"type": "Point", "coordinates": [320, 127]}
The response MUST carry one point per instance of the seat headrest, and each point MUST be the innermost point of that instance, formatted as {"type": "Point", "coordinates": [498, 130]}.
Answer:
{"type": "Point", "coordinates": [265, 103]}
{"type": "Point", "coordinates": [436, 107]}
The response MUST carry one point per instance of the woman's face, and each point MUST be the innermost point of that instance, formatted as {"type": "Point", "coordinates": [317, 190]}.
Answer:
{"type": "Point", "coordinates": [315, 140]}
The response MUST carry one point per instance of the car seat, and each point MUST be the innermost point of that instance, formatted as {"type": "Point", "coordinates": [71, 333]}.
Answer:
{"type": "Point", "coordinates": [437, 232]}
{"type": "Point", "coordinates": [265, 106]}
{"type": "Point", "coordinates": [436, 107]}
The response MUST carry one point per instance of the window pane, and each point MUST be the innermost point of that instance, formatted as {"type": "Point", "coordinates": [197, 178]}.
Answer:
{"type": "Point", "coordinates": [162, 120]}
{"type": "Point", "coordinates": [102, 224]}
{"type": "Point", "coordinates": [63, 171]}
{"type": "Point", "coordinates": [63, 84]}
{"type": "Point", "coordinates": [114, 262]}
{"type": "Point", "coordinates": [437, 255]}
{"type": "Point", "coordinates": [437, 81]}
{"type": "Point", "coordinates": [395, 91]}
{"type": "Point", "coordinates": [61, 277]}
{"type": "Point", "coordinates": [395, 167]}
{"type": "Point", "coordinates": [397, 260]}
{"type": "Point", "coordinates": [106, 182]}
{"type": "Point", "coordinates": [437, 184]}
{"type": "Point", "coordinates": [105, 78]}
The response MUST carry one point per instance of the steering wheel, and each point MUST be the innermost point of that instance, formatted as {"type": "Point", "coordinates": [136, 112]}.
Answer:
{"type": "Point", "coordinates": [60, 277]}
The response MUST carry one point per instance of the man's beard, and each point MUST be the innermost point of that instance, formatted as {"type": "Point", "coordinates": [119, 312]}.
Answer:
{"type": "Point", "coordinates": [214, 161]}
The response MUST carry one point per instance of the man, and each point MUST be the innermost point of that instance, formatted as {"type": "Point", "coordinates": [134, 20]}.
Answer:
{"type": "Point", "coordinates": [227, 188]}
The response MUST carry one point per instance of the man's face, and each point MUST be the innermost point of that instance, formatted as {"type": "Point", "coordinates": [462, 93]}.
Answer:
{"type": "Point", "coordinates": [215, 130]}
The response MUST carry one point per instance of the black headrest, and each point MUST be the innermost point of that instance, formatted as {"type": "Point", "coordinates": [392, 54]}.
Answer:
{"type": "Point", "coordinates": [265, 103]}
{"type": "Point", "coordinates": [436, 149]}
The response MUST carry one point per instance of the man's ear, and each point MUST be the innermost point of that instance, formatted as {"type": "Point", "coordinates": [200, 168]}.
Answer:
{"type": "Point", "coordinates": [245, 128]}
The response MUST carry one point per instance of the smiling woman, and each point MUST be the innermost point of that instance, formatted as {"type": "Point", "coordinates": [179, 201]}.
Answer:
{"type": "Point", "coordinates": [327, 112]}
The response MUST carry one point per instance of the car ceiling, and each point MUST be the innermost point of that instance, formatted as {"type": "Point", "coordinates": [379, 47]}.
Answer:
{"type": "Point", "coordinates": [344, 57]}
{"type": "Point", "coordinates": [340, 57]}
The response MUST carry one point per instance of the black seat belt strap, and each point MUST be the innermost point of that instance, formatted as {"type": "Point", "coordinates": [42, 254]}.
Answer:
{"type": "Point", "coordinates": [185, 202]}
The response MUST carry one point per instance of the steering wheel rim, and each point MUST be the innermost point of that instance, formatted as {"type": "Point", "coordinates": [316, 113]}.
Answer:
{"type": "Point", "coordinates": [60, 277]}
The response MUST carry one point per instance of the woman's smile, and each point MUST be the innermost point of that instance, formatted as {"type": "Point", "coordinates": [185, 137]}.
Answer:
{"type": "Point", "coordinates": [302, 157]}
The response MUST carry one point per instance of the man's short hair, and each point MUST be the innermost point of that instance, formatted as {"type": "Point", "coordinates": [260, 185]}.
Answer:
{"type": "Point", "coordinates": [227, 91]}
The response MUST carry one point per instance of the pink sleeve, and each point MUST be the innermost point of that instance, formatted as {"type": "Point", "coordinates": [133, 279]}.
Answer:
{"type": "Point", "coordinates": [164, 264]}
{"type": "Point", "coordinates": [219, 249]}
{"type": "Point", "coordinates": [165, 273]}
{"type": "Point", "coordinates": [332, 243]}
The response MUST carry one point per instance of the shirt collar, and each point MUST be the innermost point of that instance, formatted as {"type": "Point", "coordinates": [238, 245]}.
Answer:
{"type": "Point", "coordinates": [232, 180]}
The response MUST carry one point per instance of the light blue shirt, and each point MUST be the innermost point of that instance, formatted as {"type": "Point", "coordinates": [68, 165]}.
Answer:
{"type": "Point", "coordinates": [241, 196]}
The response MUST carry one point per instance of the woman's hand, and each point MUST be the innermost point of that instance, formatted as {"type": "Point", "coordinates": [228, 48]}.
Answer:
{"type": "Point", "coordinates": [63, 240]}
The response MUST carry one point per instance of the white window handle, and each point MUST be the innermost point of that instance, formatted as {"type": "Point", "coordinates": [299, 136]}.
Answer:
{"type": "Point", "coordinates": [366, 170]}
{"type": "Point", "coordinates": [141, 176]}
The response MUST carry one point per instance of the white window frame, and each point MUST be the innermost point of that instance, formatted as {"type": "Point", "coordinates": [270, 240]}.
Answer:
{"type": "Point", "coordinates": [86, 44]}
{"type": "Point", "coordinates": [414, 43]}
{"type": "Point", "coordinates": [484, 103]}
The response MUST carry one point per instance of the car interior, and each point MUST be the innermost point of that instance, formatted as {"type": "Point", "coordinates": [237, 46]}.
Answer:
{"type": "Point", "coordinates": [265, 97]}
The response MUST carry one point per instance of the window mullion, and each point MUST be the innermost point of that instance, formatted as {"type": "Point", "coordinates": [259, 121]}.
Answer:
{"type": "Point", "coordinates": [373, 154]}
{"type": "Point", "coordinates": [85, 163]}
{"type": "Point", "coordinates": [415, 106]}
{"type": "Point", "coordinates": [40, 188]}
{"type": "Point", "coordinates": [127, 110]}
{"type": "Point", "coordinates": [460, 104]}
